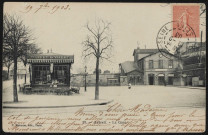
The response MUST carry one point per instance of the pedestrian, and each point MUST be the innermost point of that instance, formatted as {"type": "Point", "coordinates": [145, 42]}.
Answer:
{"type": "Point", "coordinates": [164, 82]}
{"type": "Point", "coordinates": [129, 85]}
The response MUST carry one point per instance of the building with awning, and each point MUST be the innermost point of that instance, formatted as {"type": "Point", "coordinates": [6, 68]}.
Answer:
{"type": "Point", "coordinates": [157, 69]}
{"type": "Point", "coordinates": [50, 69]}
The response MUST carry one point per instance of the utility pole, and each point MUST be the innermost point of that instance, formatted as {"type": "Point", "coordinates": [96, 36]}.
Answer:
{"type": "Point", "coordinates": [180, 66]}
{"type": "Point", "coordinates": [201, 48]}
{"type": "Point", "coordinates": [85, 78]}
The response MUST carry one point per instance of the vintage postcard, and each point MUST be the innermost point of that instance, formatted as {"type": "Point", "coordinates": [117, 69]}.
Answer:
{"type": "Point", "coordinates": [104, 67]}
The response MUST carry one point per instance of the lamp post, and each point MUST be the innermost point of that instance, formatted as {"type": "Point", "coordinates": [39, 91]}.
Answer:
{"type": "Point", "coordinates": [85, 78]}
{"type": "Point", "coordinates": [181, 67]}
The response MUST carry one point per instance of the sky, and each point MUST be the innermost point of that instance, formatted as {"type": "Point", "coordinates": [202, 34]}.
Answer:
{"type": "Point", "coordinates": [60, 27]}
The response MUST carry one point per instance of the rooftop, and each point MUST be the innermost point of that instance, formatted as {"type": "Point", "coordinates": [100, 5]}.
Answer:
{"type": "Point", "coordinates": [157, 52]}
{"type": "Point", "coordinates": [50, 57]}
{"type": "Point", "coordinates": [146, 51]}
{"type": "Point", "coordinates": [129, 66]}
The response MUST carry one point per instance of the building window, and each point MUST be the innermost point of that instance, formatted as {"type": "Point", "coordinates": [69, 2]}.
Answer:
{"type": "Point", "coordinates": [151, 64]}
{"type": "Point", "coordinates": [170, 64]}
{"type": "Point", "coordinates": [160, 63]}
{"type": "Point", "coordinates": [40, 74]}
{"type": "Point", "coordinates": [60, 74]}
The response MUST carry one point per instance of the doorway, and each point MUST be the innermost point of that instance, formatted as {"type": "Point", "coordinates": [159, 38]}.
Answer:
{"type": "Point", "coordinates": [161, 80]}
{"type": "Point", "coordinates": [170, 80]}
{"type": "Point", "coordinates": [151, 79]}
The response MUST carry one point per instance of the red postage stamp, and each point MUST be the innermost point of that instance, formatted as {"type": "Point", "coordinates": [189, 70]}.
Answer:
{"type": "Point", "coordinates": [187, 21]}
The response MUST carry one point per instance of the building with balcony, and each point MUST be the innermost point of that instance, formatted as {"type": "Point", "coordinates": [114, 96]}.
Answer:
{"type": "Point", "coordinates": [193, 56]}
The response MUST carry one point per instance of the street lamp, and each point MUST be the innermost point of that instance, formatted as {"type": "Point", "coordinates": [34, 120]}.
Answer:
{"type": "Point", "coordinates": [85, 78]}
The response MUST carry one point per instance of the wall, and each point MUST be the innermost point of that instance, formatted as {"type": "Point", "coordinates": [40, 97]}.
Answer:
{"type": "Point", "coordinates": [141, 56]}
{"type": "Point", "coordinates": [79, 79]}
{"type": "Point", "coordinates": [156, 57]}
{"type": "Point", "coordinates": [166, 71]}
{"type": "Point", "coordinates": [132, 77]}
{"type": "Point", "coordinates": [123, 80]}
{"type": "Point", "coordinates": [179, 81]}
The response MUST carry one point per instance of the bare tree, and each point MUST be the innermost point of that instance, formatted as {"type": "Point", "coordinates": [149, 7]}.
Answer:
{"type": "Point", "coordinates": [29, 49]}
{"type": "Point", "coordinates": [98, 44]}
{"type": "Point", "coordinates": [16, 36]}
{"type": "Point", "coordinates": [7, 62]}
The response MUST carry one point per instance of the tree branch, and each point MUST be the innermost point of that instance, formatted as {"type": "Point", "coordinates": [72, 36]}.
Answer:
{"type": "Point", "coordinates": [91, 30]}
{"type": "Point", "coordinates": [90, 54]}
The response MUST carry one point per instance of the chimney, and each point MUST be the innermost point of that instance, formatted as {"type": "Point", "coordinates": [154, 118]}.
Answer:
{"type": "Point", "coordinates": [138, 45]}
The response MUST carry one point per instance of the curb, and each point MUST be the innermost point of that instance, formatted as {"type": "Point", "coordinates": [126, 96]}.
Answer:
{"type": "Point", "coordinates": [25, 107]}
{"type": "Point", "coordinates": [199, 88]}
{"type": "Point", "coordinates": [194, 88]}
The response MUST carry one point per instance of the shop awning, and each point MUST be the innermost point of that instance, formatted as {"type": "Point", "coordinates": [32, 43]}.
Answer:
{"type": "Point", "coordinates": [171, 75]}
{"type": "Point", "coordinates": [161, 75]}
{"type": "Point", "coordinates": [50, 58]}
{"type": "Point", "coordinates": [184, 75]}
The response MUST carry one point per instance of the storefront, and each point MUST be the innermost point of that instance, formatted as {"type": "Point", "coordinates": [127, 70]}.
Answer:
{"type": "Point", "coordinates": [170, 79]}
{"type": "Point", "coordinates": [50, 69]}
{"type": "Point", "coordinates": [112, 82]}
{"type": "Point", "coordinates": [161, 79]}
{"type": "Point", "coordinates": [151, 79]}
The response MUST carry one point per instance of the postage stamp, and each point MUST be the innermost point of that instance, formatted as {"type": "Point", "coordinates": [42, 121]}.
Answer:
{"type": "Point", "coordinates": [187, 17]}
{"type": "Point", "coordinates": [183, 29]}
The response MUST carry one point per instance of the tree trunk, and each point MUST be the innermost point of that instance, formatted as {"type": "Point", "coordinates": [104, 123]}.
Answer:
{"type": "Point", "coordinates": [7, 73]}
{"type": "Point", "coordinates": [15, 79]}
{"type": "Point", "coordinates": [30, 74]}
{"type": "Point", "coordinates": [97, 80]}
{"type": "Point", "coordinates": [25, 74]}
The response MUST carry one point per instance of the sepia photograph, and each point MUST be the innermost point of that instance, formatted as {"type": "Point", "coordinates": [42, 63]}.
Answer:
{"type": "Point", "coordinates": [89, 67]}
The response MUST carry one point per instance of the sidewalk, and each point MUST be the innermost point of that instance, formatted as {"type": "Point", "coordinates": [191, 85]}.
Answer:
{"type": "Point", "coordinates": [191, 87]}
{"type": "Point", "coordinates": [53, 101]}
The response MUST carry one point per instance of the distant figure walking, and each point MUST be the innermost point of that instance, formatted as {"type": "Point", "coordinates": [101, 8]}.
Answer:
{"type": "Point", "coordinates": [164, 83]}
{"type": "Point", "coordinates": [129, 85]}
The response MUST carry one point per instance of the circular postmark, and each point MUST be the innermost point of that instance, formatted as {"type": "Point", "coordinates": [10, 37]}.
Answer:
{"type": "Point", "coordinates": [172, 36]}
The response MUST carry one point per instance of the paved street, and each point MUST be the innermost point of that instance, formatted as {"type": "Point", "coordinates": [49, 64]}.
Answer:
{"type": "Point", "coordinates": [156, 96]}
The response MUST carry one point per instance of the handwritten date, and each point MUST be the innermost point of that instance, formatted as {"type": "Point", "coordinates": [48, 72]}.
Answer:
{"type": "Point", "coordinates": [48, 7]}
